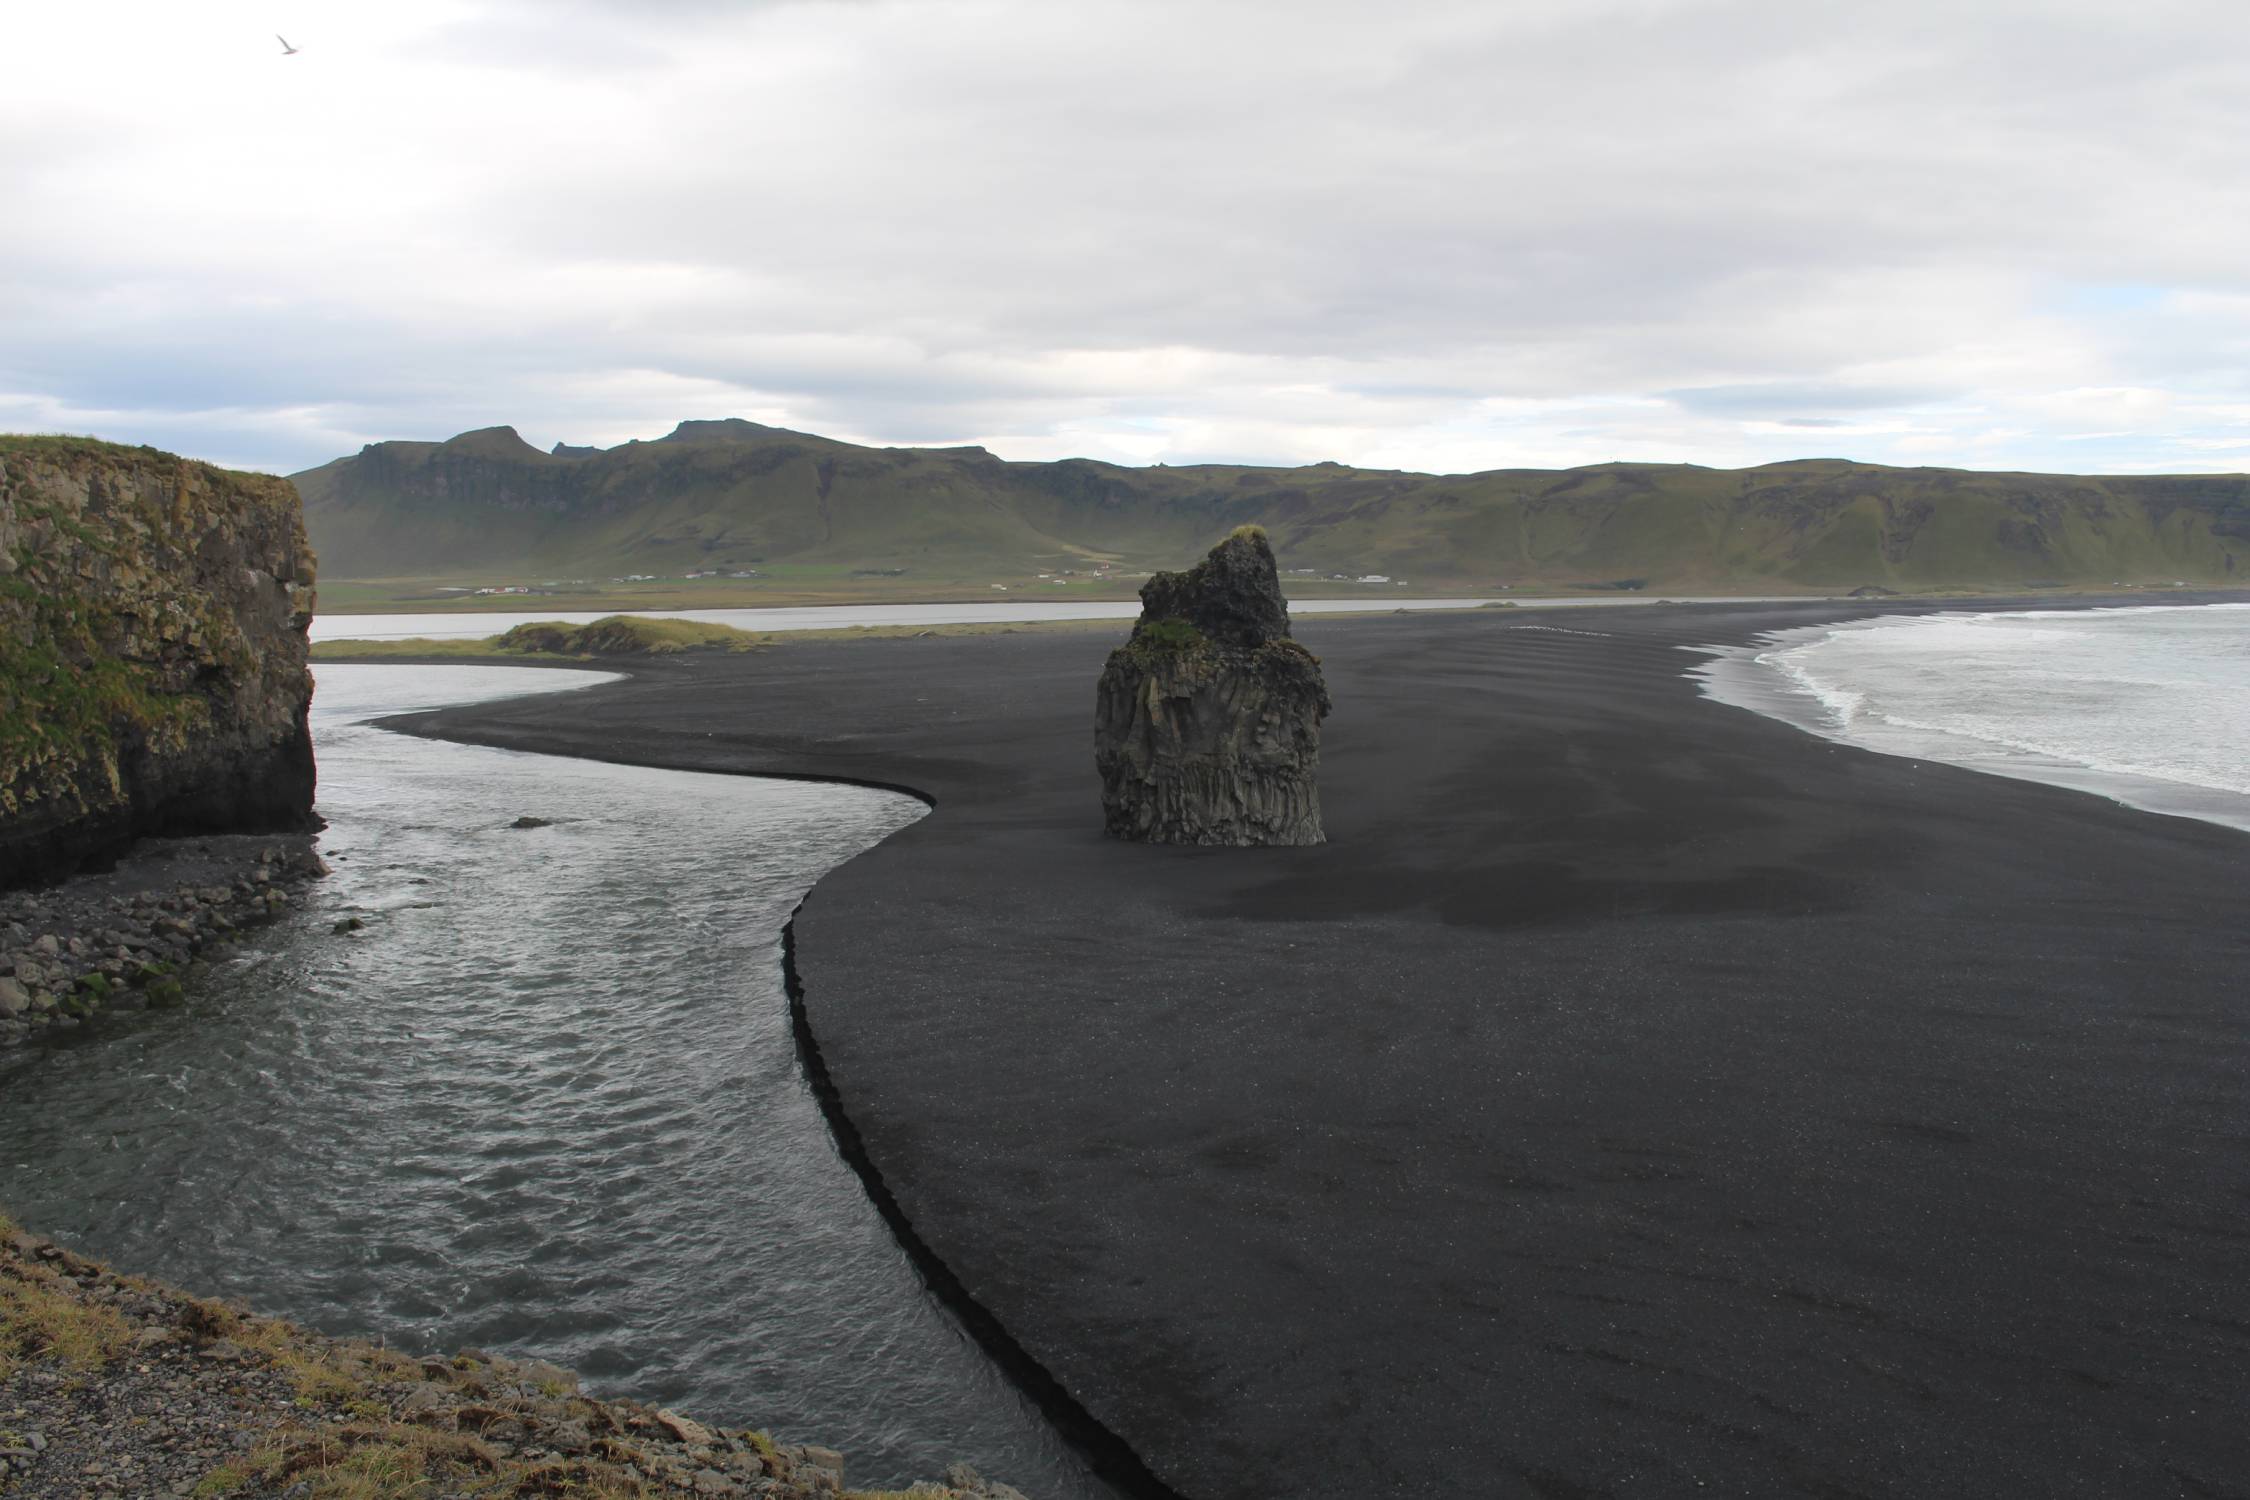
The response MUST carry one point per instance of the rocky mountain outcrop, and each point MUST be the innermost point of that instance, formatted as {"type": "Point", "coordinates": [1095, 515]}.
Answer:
{"type": "Point", "coordinates": [1207, 722]}
{"type": "Point", "coordinates": [153, 618]}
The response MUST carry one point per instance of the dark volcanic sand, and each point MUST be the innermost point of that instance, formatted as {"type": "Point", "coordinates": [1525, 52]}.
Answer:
{"type": "Point", "coordinates": [1635, 1095]}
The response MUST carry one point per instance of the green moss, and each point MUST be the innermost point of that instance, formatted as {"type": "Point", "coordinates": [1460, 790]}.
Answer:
{"type": "Point", "coordinates": [1167, 636]}
{"type": "Point", "coordinates": [224, 1480]}
{"type": "Point", "coordinates": [68, 703]}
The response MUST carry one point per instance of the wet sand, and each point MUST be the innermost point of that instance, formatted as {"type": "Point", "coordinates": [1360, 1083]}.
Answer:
{"type": "Point", "coordinates": [1635, 1095]}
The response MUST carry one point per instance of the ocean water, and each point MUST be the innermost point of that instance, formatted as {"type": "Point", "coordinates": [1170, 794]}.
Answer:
{"type": "Point", "coordinates": [547, 1102]}
{"type": "Point", "coordinates": [2149, 706]}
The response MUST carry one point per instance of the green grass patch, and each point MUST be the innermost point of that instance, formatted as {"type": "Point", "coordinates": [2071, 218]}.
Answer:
{"type": "Point", "coordinates": [69, 444]}
{"type": "Point", "coordinates": [224, 1480]}
{"type": "Point", "coordinates": [40, 1319]}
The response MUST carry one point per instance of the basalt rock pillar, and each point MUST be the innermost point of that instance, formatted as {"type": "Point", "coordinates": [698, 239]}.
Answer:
{"type": "Point", "coordinates": [1207, 722]}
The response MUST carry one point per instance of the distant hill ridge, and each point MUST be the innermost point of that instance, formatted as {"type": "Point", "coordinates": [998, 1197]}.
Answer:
{"type": "Point", "coordinates": [738, 495]}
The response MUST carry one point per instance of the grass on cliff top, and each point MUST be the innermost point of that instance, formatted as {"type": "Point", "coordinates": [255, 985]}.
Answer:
{"type": "Point", "coordinates": [68, 442]}
{"type": "Point", "coordinates": [62, 446]}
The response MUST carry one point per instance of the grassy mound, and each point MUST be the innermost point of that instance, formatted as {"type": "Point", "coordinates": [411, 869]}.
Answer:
{"type": "Point", "coordinates": [622, 635]}
{"type": "Point", "coordinates": [556, 640]}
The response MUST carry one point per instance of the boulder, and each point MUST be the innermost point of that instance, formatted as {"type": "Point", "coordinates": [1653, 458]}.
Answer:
{"type": "Point", "coordinates": [1207, 721]}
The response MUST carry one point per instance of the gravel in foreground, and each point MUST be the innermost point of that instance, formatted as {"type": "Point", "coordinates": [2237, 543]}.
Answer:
{"type": "Point", "coordinates": [115, 1386]}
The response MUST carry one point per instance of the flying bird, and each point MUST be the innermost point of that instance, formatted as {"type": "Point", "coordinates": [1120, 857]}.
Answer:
{"type": "Point", "coordinates": [286, 49]}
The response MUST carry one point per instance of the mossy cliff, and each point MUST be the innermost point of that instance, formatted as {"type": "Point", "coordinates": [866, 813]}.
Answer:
{"type": "Point", "coordinates": [153, 617]}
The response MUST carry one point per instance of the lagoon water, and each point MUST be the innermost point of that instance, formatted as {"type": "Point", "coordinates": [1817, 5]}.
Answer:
{"type": "Point", "coordinates": [548, 1101]}
{"type": "Point", "coordinates": [469, 626]}
{"type": "Point", "coordinates": [463, 626]}
{"type": "Point", "coordinates": [2149, 706]}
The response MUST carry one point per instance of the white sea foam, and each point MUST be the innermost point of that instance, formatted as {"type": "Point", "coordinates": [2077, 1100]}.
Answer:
{"type": "Point", "coordinates": [2148, 705]}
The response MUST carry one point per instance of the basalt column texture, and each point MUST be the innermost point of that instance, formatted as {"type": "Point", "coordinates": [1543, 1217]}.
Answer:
{"type": "Point", "coordinates": [1207, 722]}
{"type": "Point", "coordinates": [153, 618]}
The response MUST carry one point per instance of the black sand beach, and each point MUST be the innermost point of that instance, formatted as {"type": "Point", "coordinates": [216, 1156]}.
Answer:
{"type": "Point", "coordinates": [1636, 1097]}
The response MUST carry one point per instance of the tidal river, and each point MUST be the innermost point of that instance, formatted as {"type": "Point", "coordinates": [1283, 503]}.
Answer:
{"type": "Point", "coordinates": [547, 1101]}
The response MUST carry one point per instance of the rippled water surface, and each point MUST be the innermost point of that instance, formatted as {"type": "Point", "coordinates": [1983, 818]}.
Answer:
{"type": "Point", "coordinates": [548, 1101]}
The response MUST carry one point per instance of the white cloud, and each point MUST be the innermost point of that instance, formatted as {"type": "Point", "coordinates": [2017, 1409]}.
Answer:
{"type": "Point", "coordinates": [1448, 235]}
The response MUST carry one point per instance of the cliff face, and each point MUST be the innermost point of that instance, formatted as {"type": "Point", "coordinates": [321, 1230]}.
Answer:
{"type": "Point", "coordinates": [1207, 722]}
{"type": "Point", "coordinates": [153, 616]}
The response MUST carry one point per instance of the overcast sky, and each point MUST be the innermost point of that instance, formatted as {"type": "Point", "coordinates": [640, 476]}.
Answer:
{"type": "Point", "coordinates": [1416, 235]}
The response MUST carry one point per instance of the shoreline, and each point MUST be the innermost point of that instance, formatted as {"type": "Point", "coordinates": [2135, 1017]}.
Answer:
{"type": "Point", "coordinates": [1111, 1459]}
{"type": "Point", "coordinates": [519, 733]}
{"type": "Point", "coordinates": [121, 1385]}
{"type": "Point", "coordinates": [128, 937]}
{"type": "Point", "coordinates": [1742, 677]}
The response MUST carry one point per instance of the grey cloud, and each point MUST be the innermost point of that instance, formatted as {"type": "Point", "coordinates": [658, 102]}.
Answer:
{"type": "Point", "coordinates": [1778, 399]}
{"type": "Point", "coordinates": [904, 220]}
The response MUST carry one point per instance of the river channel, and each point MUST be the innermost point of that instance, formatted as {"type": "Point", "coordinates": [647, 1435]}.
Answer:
{"type": "Point", "coordinates": [547, 1101]}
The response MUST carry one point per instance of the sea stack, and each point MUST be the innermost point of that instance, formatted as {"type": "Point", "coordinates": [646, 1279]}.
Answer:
{"type": "Point", "coordinates": [153, 619]}
{"type": "Point", "coordinates": [1207, 722]}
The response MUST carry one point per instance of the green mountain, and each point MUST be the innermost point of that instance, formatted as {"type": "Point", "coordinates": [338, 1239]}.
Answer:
{"type": "Point", "coordinates": [736, 496]}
